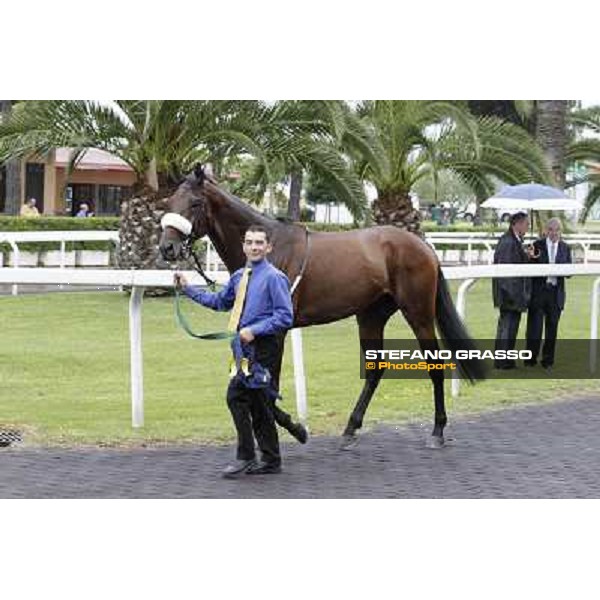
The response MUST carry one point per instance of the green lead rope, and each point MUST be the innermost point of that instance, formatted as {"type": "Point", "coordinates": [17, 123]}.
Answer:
{"type": "Point", "coordinates": [217, 335]}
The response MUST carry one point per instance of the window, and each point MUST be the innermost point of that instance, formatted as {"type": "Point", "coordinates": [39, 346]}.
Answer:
{"type": "Point", "coordinates": [34, 183]}
{"type": "Point", "coordinates": [110, 198]}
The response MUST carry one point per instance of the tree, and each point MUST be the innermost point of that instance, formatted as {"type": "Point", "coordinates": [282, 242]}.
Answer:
{"type": "Point", "coordinates": [448, 187]}
{"type": "Point", "coordinates": [513, 111]}
{"type": "Point", "coordinates": [160, 140]}
{"type": "Point", "coordinates": [318, 192]}
{"type": "Point", "coordinates": [551, 134]}
{"type": "Point", "coordinates": [423, 138]}
{"type": "Point", "coordinates": [586, 150]}
{"type": "Point", "coordinates": [546, 120]}
{"type": "Point", "coordinates": [314, 138]}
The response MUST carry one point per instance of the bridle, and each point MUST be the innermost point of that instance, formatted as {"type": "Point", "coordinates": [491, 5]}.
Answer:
{"type": "Point", "coordinates": [186, 228]}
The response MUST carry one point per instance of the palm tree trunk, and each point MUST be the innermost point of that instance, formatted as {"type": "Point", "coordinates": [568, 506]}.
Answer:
{"type": "Point", "coordinates": [551, 134]}
{"type": "Point", "coordinates": [395, 208]}
{"type": "Point", "coordinates": [139, 234]}
{"type": "Point", "coordinates": [139, 230]}
{"type": "Point", "coordinates": [12, 203]}
{"type": "Point", "coordinates": [293, 211]}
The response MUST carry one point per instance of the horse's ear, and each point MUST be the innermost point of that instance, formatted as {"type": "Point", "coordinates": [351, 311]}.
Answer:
{"type": "Point", "coordinates": [199, 173]}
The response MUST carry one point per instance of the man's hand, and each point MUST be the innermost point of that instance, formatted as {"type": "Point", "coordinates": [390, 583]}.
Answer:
{"type": "Point", "coordinates": [180, 280]}
{"type": "Point", "coordinates": [246, 335]}
{"type": "Point", "coordinates": [531, 252]}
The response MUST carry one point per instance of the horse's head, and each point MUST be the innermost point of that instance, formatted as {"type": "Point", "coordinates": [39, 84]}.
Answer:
{"type": "Point", "coordinates": [186, 219]}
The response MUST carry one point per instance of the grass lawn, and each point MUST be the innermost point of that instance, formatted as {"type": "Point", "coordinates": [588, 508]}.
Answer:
{"type": "Point", "coordinates": [64, 371]}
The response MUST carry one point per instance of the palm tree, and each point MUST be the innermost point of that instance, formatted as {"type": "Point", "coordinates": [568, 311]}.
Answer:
{"type": "Point", "coordinates": [423, 138]}
{"type": "Point", "coordinates": [546, 120]}
{"type": "Point", "coordinates": [587, 150]}
{"type": "Point", "coordinates": [339, 135]}
{"type": "Point", "coordinates": [161, 140]}
{"type": "Point", "coordinates": [300, 137]}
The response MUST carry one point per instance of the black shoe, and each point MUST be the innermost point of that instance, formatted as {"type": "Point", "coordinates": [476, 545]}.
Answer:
{"type": "Point", "coordinates": [240, 467]}
{"type": "Point", "coordinates": [299, 432]}
{"type": "Point", "coordinates": [264, 468]}
{"type": "Point", "coordinates": [547, 367]}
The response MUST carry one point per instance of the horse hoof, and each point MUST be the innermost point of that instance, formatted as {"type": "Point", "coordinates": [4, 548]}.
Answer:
{"type": "Point", "coordinates": [436, 442]}
{"type": "Point", "coordinates": [348, 442]}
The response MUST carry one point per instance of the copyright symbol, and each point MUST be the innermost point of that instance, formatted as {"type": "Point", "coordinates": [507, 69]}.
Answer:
{"type": "Point", "coordinates": [370, 365]}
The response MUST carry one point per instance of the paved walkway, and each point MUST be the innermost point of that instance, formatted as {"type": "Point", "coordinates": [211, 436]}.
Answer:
{"type": "Point", "coordinates": [544, 451]}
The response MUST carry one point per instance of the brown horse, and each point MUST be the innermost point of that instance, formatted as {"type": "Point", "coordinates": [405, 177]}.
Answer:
{"type": "Point", "coordinates": [370, 273]}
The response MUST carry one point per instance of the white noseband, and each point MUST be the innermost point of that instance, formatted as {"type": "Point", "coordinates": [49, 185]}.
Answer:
{"type": "Point", "coordinates": [176, 222]}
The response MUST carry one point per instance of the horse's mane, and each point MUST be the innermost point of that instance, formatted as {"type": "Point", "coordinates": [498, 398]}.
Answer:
{"type": "Point", "coordinates": [200, 176]}
{"type": "Point", "coordinates": [250, 212]}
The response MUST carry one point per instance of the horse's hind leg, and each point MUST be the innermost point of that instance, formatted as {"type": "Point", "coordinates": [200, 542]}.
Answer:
{"type": "Point", "coordinates": [437, 379]}
{"type": "Point", "coordinates": [371, 324]}
{"type": "Point", "coordinates": [424, 330]}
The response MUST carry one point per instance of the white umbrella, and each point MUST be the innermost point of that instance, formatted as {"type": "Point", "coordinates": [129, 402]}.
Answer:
{"type": "Point", "coordinates": [531, 196]}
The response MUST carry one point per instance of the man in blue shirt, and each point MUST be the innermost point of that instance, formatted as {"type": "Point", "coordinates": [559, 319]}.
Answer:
{"type": "Point", "coordinates": [266, 313]}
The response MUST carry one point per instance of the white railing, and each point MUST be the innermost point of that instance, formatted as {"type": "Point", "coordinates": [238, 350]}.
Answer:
{"type": "Point", "coordinates": [14, 238]}
{"type": "Point", "coordinates": [214, 267]}
{"type": "Point", "coordinates": [139, 280]}
{"type": "Point", "coordinates": [489, 240]}
{"type": "Point", "coordinates": [478, 243]}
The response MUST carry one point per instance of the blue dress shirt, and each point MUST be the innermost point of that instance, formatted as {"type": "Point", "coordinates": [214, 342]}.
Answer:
{"type": "Point", "coordinates": [268, 307]}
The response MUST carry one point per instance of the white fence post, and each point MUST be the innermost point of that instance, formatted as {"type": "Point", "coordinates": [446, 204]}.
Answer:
{"type": "Point", "coordinates": [16, 261]}
{"type": "Point", "coordinates": [137, 371]}
{"type": "Point", "coordinates": [594, 325]}
{"type": "Point", "coordinates": [299, 379]}
{"type": "Point", "coordinates": [461, 309]}
{"type": "Point", "coordinates": [63, 257]}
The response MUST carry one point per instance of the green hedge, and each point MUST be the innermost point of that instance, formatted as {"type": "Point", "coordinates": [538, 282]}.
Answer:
{"type": "Point", "coordinates": [112, 223]}
{"type": "Point", "coordinates": [59, 224]}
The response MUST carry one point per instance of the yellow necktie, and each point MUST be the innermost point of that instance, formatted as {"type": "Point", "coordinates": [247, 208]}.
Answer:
{"type": "Point", "coordinates": [238, 305]}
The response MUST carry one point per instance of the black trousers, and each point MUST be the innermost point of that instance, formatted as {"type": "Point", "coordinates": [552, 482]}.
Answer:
{"type": "Point", "coordinates": [252, 413]}
{"type": "Point", "coordinates": [506, 334]}
{"type": "Point", "coordinates": [270, 353]}
{"type": "Point", "coordinates": [545, 314]}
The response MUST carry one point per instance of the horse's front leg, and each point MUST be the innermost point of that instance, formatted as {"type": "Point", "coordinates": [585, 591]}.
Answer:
{"type": "Point", "coordinates": [371, 324]}
{"type": "Point", "coordinates": [356, 418]}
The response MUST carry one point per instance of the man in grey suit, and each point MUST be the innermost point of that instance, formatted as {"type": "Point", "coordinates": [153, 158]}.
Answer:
{"type": "Point", "coordinates": [547, 296]}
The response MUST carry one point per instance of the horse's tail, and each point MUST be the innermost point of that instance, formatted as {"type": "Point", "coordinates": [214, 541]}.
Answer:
{"type": "Point", "coordinates": [453, 331]}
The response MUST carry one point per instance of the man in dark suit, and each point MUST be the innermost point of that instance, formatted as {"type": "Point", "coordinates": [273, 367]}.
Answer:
{"type": "Point", "coordinates": [547, 296]}
{"type": "Point", "coordinates": [511, 295]}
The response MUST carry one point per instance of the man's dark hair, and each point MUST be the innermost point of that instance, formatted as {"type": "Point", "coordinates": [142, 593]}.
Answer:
{"type": "Point", "coordinates": [518, 217]}
{"type": "Point", "coordinates": [260, 229]}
